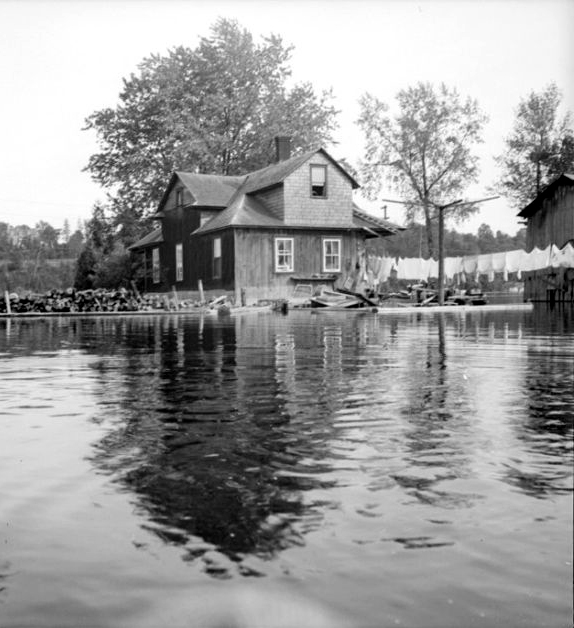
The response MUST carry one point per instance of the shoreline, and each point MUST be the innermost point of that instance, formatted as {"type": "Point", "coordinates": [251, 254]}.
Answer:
{"type": "Point", "coordinates": [407, 309]}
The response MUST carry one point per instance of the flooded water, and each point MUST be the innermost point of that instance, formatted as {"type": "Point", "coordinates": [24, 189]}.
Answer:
{"type": "Point", "coordinates": [308, 469]}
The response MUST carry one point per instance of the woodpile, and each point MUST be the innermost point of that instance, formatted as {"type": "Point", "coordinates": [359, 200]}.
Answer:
{"type": "Point", "coordinates": [71, 301]}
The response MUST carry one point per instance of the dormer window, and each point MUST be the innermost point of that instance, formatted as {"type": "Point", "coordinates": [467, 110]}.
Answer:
{"type": "Point", "coordinates": [318, 181]}
{"type": "Point", "coordinates": [179, 197]}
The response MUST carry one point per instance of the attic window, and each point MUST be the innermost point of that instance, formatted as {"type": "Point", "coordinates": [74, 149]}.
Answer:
{"type": "Point", "coordinates": [318, 181]}
{"type": "Point", "coordinates": [179, 197]}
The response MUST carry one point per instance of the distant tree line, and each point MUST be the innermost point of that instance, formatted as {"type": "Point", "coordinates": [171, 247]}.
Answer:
{"type": "Point", "coordinates": [38, 258]}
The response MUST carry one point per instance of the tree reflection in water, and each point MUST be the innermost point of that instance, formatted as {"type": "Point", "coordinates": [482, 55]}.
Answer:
{"type": "Point", "coordinates": [207, 441]}
{"type": "Point", "coordinates": [547, 431]}
{"type": "Point", "coordinates": [230, 434]}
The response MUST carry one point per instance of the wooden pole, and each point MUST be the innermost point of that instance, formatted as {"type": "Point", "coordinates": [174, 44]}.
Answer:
{"type": "Point", "coordinates": [135, 288]}
{"type": "Point", "coordinates": [441, 255]}
{"type": "Point", "coordinates": [7, 299]}
{"type": "Point", "coordinates": [441, 209]}
{"type": "Point", "coordinates": [200, 288]}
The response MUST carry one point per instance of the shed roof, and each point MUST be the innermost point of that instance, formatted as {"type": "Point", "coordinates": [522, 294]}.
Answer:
{"type": "Point", "coordinates": [536, 204]}
{"type": "Point", "coordinates": [154, 237]}
{"type": "Point", "coordinates": [243, 211]}
{"type": "Point", "coordinates": [364, 220]}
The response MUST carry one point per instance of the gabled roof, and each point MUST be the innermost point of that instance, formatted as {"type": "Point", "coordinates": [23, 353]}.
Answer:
{"type": "Point", "coordinates": [236, 197]}
{"type": "Point", "coordinates": [216, 190]}
{"type": "Point", "coordinates": [210, 190]}
{"type": "Point", "coordinates": [276, 173]}
{"type": "Point", "coordinates": [207, 190]}
{"type": "Point", "coordinates": [154, 237]}
{"type": "Point", "coordinates": [536, 204]}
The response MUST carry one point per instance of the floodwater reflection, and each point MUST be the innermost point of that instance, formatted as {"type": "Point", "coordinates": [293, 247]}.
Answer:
{"type": "Point", "coordinates": [312, 443]}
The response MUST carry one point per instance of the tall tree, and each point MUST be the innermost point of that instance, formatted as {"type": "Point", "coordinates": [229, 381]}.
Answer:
{"type": "Point", "coordinates": [424, 152]}
{"type": "Point", "coordinates": [212, 109]}
{"type": "Point", "coordinates": [539, 147]}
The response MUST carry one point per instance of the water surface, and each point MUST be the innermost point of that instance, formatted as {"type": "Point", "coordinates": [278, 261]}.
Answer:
{"type": "Point", "coordinates": [408, 469]}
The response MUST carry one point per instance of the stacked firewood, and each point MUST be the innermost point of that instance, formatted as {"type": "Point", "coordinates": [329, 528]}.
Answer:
{"type": "Point", "coordinates": [70, 301]}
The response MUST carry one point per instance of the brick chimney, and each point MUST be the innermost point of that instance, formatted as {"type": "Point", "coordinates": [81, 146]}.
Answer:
{"type": "Point", "coordinates": [282, 148]}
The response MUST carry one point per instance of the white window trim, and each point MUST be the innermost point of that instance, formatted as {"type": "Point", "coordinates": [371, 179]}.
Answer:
{"type": "Point", "coordinates": [179, 261]}
{"type": "Point", "coordinates": [340, 246]}
{"type": "Point", "coordinates": [323, 167]}
{"type": "Point", "coordinates": [284, 269]}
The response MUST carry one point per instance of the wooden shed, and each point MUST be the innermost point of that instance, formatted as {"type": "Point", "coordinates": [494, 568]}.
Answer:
{"type": "Point", "coordinates": [550, 222]}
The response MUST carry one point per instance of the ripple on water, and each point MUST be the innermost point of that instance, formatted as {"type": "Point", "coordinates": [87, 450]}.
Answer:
{"type": "Point", "coordinates": [426, 457]}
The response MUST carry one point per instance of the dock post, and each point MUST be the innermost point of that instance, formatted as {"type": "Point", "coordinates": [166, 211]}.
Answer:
{"type": "Point", "coordinates": [7, 299]}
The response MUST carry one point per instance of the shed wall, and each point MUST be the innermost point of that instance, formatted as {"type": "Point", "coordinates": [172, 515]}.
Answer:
{"type": "Point", "coordinates": [553, 223]}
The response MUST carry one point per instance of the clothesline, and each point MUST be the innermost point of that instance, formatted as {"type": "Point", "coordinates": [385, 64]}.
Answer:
{"type": "Point", "coordinates": [378, 269]}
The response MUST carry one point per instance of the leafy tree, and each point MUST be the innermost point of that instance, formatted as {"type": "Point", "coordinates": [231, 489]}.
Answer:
{"type": "Point", "coordinates": [5, 244]}
{"type": "Point", "coordinates": [424, 152]}
{"type": "Point", "coordinates": [539, 147]}
{"type": "Point", "coordinates": [99, 230]}
{"type": "Point", "coordinates": [486, 239]}
{"type": "Point", "coordinates": [86, 269]}
{"type": "Point", "coordinates": [212, 109]}
{"type": "Point", "coordinates": [47, 235]}
{"type": "Point", "coordinates": [75, 244]}
{"type": "Point", "coordinates": [66, 231]}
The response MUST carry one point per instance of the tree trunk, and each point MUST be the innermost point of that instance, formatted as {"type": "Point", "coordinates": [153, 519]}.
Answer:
{"type": "Point", "coordinates": [429, 233]}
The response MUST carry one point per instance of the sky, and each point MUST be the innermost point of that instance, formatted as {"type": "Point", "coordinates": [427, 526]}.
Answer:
{"type": "Point", "coordinates": [61, 60]}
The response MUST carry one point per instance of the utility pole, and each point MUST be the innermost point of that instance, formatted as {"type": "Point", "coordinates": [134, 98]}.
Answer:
{"type": "Point", "coordinates": [441, 209]}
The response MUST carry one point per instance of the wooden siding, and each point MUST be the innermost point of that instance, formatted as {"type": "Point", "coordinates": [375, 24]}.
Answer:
{"type": "Point", "coordinates": [255, 259]}
{"type": "Point", "coordinates": [301, 209]}
{"type": "Point", "coordinates": [553, 223]}
{"type": "Point", "coordinates": [552, 285]}
{"type": "Point", "coordinates": [201, 266]}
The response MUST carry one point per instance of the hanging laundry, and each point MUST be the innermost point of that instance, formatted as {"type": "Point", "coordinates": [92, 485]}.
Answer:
{"type": "Point", "coordinates": [469, 264]}
{"type": "Point", "coordinates": [452, 266]}
{"type": "Point", "coordinates": [484, 264]}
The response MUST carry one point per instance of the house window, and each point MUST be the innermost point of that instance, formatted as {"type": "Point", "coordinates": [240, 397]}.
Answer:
{"type": "Point", "coordinates": [331, 255]}
{"type": "Point", "coordinates": [318, 181]}
{"type": "Point", "coordinates": [155, 265]}
{"type": "Point", "coordinates": [179, 197]}
{"type": "Point", "coordinates": [179, 262]}
{"type": "Point", "coordinates": [217, 258]}
{"type": "Point", "coordinates": [284, 255]}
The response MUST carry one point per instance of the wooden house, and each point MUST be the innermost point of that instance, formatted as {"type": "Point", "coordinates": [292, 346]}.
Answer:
{"type": "Point", "coordinates": [257, 235]}
{"type": "Point", "coordinates": [550, 221]}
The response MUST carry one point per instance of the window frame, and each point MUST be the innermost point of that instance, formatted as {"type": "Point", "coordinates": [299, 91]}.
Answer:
{"type": "Point", "coordinates": [216, 267]}
{"type": "Point", "coordinates": [338, 255]}
{"type": "Point", "coordinates": [285, 268]}
{"type": "Point", "coordinates": [179, 261]}
{"type": "Point", "coordinates": [179, 197]}
{"type": "Point", "coordinates": [322, 167]}
{"type": "Point", "coordinates": [155, 265]}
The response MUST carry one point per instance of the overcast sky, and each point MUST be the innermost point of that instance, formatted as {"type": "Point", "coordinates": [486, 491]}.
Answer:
{"type": "Point", "coordinates": [62, 60]}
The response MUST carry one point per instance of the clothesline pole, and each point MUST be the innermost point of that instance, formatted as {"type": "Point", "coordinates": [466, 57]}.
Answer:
{"type": "Point", "coordinates": [441, 209]}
